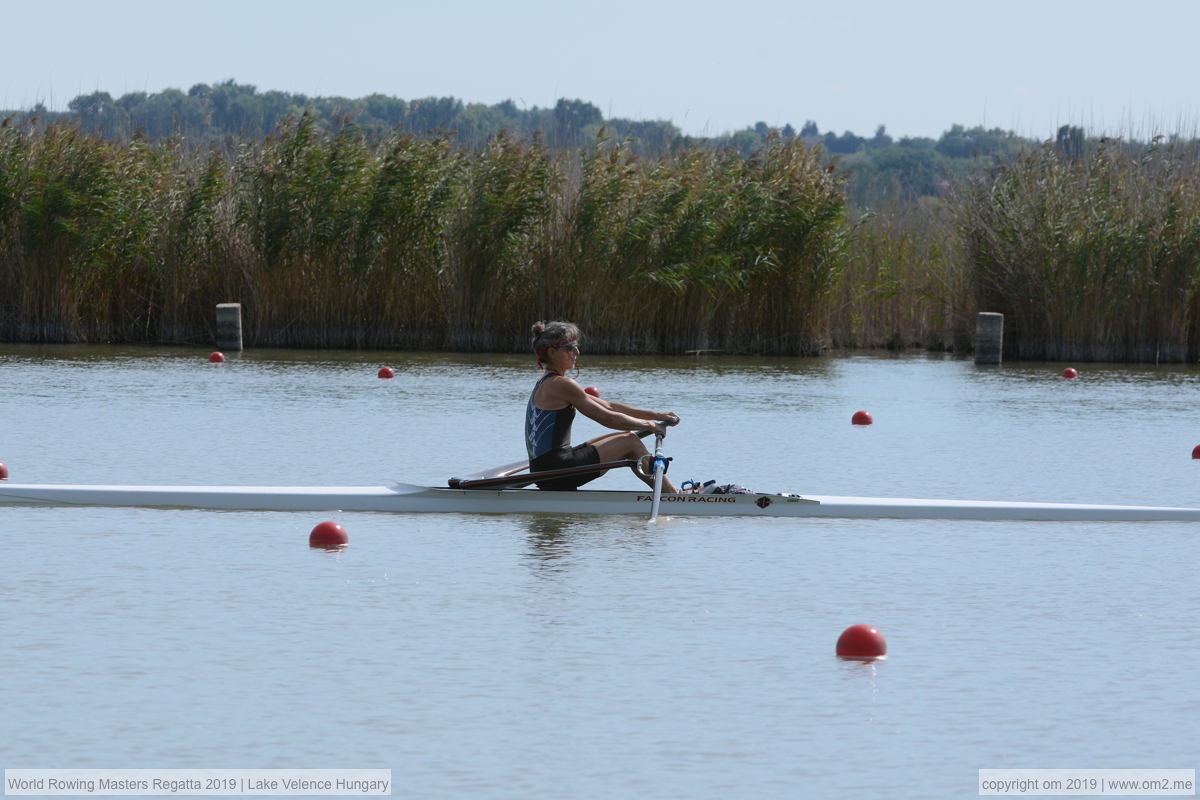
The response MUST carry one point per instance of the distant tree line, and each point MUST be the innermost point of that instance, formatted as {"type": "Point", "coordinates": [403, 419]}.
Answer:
{"type": "Point", "coordinates": [880, 170]}
{"type": "Point", "coordinates": [229, 109]}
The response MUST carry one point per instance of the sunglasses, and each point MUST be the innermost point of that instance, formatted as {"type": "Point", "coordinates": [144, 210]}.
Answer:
{"type": "Point", "coordinates": [572, 347]}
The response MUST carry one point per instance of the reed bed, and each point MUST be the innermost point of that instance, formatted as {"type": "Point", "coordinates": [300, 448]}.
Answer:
{"type": "Point", "coordinates": [328, 240]}
{"type": "Point", "coordinates": [1090, 255]}
{"type": "Point", "coordinates": [333, 238]}
{"type": "Point", "coordinates": [905, 286]}
{"type": "Point", "coordinates": [703, 250]}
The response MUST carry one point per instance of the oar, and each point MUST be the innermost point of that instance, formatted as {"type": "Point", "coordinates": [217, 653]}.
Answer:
{"type": "Point", "coordinates": [660, 467]}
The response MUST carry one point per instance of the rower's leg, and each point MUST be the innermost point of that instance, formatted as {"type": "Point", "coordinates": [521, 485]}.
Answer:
{"type": "Point", "coordinates": [619, 446]}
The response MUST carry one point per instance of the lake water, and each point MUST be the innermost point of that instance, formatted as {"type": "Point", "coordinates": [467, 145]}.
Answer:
{"type": "Point", "coordinates": [581, 657]}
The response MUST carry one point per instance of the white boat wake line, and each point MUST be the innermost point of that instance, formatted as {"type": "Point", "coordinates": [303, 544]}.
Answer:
{"type": "Point", "coordinates": [406, 498]}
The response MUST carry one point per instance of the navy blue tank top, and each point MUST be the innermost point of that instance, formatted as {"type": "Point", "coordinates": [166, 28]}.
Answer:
{"type": "Point", "coordinates": [546, 430]}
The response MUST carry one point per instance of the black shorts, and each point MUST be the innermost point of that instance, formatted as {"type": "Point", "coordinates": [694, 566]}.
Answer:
{"type": "Point", "coordinates": [580, 455]}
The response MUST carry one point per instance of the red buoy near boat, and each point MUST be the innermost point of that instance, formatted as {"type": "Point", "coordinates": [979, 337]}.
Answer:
{"type": "Point", "coordinates": [861, 418]}
{"type": "Point", "coordinates": [861, 643]}
{"type": "Point", "coordinates": [387, 373]}
{"type": "Point", "coordinates": [592, 390]}
{"type": "Point", "coordinates": [1070, 373]}
{"type": "Point", "coordinates": [1195, 454]}
{"type": "Point", "coordinates": [3, 472]}
{"type": "Point", "coordinates": [328, 535]}
{"type": "Point", "coordinates": [217, 357]}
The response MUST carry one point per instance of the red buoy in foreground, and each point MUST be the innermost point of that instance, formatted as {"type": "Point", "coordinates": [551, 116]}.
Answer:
{"type": "Point", "coordinates": [328, 535]}
{"type": "Point", "coordinates": [3, 472]}
{"type": "Point", "coordinates": [1070, 373]}
{"type": "Point", "coordinates": [861, 643]}
{"type": "Point", "coordinates": [217, 357]}
{"type": "Point", "coordinates": [861, 418]}
{"type": "Point", "coordinates": [387, 373]}
{"type": "Point", "coordinates": [592, 390]}
{"type": "Point", "coordinates": [1195, 454]}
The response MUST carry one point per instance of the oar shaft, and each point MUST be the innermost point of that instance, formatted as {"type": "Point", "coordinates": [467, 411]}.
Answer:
{"type": "Point", "coordinates": [660, 466]}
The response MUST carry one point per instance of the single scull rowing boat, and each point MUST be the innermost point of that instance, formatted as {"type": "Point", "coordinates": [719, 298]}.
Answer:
{"type": "Point", "coordinates": [406, 498]}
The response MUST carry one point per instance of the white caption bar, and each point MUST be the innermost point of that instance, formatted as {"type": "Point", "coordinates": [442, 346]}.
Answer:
{"type": "Point", "coordinates": [208, 782]}
{"type": "Point", "coordinates": [1089, 782]}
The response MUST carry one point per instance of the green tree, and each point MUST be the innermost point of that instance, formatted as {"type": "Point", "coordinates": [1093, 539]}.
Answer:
{"type": "Point", "coordinates": [388, 110]}
{"type": "Point", "coordinates": [897, 174]}
{"type": "Point", "coordinates": [431, 114]}
{"type": "Point", "coordinates": [571, 118]}
{"type": "Point", "coordinates": [1070, 141]}
{"type": "Point", "coordinates": [881, 138]}
{"type": "Point", "coordinates": [960, 142]}
{"type": "Point", "coordinates": [98, 113]}
{"type": "Point", "coordinates": [846, 143]}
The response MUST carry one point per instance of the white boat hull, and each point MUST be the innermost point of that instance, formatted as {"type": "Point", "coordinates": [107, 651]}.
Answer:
{"type": "Point", "coordinates": [406, 498]}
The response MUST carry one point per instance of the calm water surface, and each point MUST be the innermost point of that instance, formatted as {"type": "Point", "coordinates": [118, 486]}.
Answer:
{"type": "Point", "coordinates": [557, 656]}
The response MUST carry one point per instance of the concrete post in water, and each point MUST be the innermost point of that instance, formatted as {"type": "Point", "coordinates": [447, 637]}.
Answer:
{"type": "Point", "coordinates": [989, 337]}
{"type": "Point", "coordinates": [229, 326]}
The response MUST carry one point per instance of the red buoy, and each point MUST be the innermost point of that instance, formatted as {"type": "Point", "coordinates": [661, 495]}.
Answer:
{"type": "Point", "coordinates": [861, 643]}
{"type": "Point", "coordinates": [592, 390]}
{"type": "Point", "coordinates": [1195, 454]}
{"type": "Point", "coordinates": [217, 357]}
{"type": "Point", "coordinates": [1070, 373]}
{"type": "Point", "coordinates": [387, 373]}
{"type": "Point", "coordinates": [861, 418]}
{"type": "Point", "coordinates": [328, 535]}
{"type": "Point", "coordinates": [3, 472]}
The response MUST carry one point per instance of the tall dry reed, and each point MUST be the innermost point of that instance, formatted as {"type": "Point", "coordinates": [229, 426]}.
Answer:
{"type": "Point", "coordinates": [704, 249]}
{"type": "Point", "coordinates": [1094, 256]}
{"type": "Point", "coordinates": [329, 239]}
{"type": "Point", "coordinates": [905, 286]}
{"type": "Point", "coordinates": [78, 219]}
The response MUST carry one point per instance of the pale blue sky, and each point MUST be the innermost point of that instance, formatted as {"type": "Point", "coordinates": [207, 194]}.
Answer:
{"type": "Point", "coordinates": [1113, 66]}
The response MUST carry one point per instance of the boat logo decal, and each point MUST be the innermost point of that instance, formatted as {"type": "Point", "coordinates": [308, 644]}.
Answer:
{"type": "Point", "coordinates": [689, 498]}
{"type": "Point", "coordinates": [762, 502]}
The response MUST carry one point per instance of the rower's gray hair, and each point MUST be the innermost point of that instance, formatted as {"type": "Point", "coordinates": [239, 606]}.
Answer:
{"type": "Point", "coordinates": [548, 334]}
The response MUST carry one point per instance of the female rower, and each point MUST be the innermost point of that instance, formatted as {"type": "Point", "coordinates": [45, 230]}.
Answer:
{"type": "Point", "coordinates": [552, 406]}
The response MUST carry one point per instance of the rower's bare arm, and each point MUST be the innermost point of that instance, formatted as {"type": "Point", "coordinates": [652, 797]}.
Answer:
{"type": "Point", "coordinates": [669, 417]}
{"type": "Point", "coordinates": [604, 412]}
